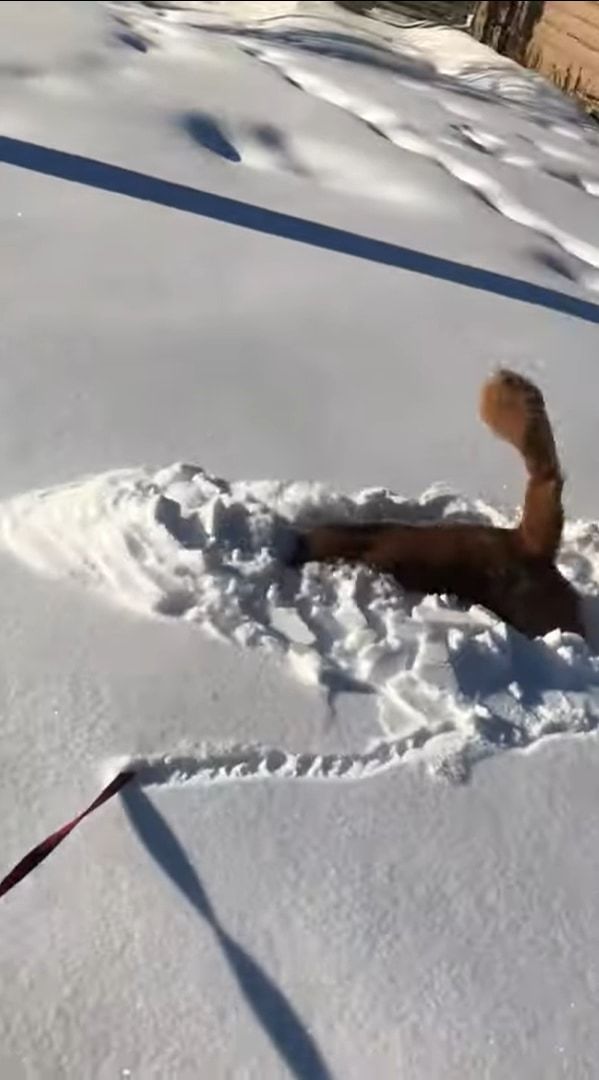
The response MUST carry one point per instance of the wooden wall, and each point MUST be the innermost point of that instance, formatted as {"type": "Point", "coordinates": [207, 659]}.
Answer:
{"type": "Point", "coordinates": [559, 38]}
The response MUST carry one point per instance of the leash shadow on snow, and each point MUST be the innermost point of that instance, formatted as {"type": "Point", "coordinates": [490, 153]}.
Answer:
{"type": "Point", "coordinates": [268, 1003]}
{"type": "Point", "coordinates": [135, 185]}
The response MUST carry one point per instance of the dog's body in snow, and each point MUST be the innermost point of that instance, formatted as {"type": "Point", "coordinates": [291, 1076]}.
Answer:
{"type": "Point", "coordinates": [510, 571]}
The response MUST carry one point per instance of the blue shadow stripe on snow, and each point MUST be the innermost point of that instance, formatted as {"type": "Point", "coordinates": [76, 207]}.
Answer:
{"type": "Point", "coordinates": [136, 185]}
{"type": "Point", "coordinates": [268, 1003]}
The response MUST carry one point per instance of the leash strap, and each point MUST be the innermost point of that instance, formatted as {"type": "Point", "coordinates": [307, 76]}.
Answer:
{"type": "Point", "coordinates": [41, 851]}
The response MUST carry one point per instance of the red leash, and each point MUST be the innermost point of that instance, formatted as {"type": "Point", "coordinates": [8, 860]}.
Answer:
{"type": "Point", "coordinates": [41, 851]}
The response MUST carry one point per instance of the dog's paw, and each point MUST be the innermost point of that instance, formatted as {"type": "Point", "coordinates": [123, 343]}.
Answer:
{"type": "Point", "coordinates": [514, 408]}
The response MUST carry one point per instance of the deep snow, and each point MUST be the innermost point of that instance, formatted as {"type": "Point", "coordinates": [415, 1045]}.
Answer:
{"type": "Point", "coordinates": [392, 924]}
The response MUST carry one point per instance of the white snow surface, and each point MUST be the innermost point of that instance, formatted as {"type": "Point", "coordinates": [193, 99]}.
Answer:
{"type": "Point", "coordinates": [281, 241]}
{"type": "Point", "coordinates": [184, 544]}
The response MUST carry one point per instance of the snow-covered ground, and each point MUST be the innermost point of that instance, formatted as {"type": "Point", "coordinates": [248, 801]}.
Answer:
{"type": "Point", "coordinates": [257, 260]}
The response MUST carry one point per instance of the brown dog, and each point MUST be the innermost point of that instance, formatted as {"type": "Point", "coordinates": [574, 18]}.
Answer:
{"type": "Point", "coordinates": [510, 571]}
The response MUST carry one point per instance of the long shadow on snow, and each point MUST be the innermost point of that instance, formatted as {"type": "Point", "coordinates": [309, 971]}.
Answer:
{"type": "Point", "coordinates": [136, 185]}
{"type": "Point", "coordinates": [269, 1005]}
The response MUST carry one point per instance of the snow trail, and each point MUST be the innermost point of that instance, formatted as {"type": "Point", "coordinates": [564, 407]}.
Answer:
{"type": "Point", "coordinates": [386, 123]}
{"type": "Point", "coordinates": [182, 544]}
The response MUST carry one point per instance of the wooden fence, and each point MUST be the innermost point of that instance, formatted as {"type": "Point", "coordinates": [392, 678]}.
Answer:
{"type": "Point", "coordinates": [559, 38]}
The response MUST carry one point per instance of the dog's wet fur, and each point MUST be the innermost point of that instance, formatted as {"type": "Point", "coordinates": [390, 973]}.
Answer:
{"type": "Point", "coordinates": [510, 571]}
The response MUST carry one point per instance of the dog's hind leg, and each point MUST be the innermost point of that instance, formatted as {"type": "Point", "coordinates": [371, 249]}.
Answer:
{"type": "Point", "coordinates": [514, 409]}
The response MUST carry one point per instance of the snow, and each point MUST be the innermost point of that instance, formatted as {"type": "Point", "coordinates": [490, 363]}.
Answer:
{"type": "Point", "coordinates": [286, 252]}
{"type": "Point", "coordinates": [183, 544]}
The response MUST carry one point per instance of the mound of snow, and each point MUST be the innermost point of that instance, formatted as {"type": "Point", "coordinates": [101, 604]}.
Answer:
{"type": "Point", "coordinates": [184, 544]}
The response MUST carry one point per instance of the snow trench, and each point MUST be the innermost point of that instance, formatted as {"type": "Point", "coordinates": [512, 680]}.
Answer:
{"type": "Point", "coordinates": [452, 683]}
